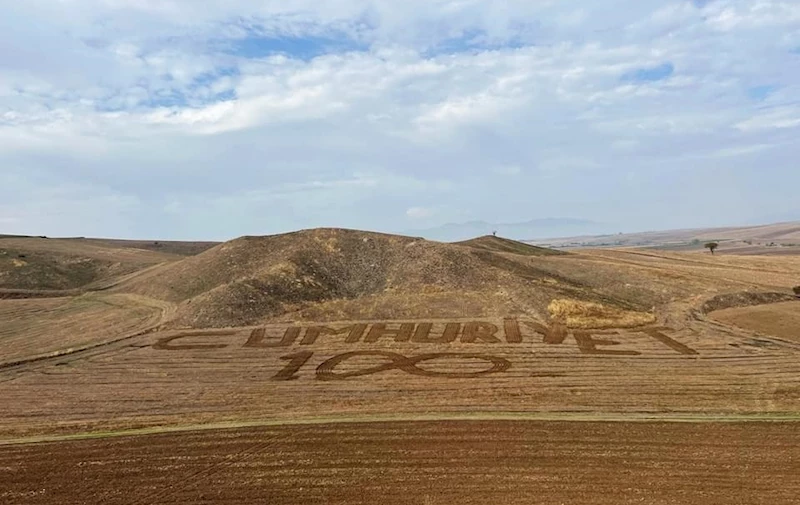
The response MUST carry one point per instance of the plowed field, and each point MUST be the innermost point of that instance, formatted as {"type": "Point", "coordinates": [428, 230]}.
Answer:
{"type": "Point", "coordinates": [419, 463]}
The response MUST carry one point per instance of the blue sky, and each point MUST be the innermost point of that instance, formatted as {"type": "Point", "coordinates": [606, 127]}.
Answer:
{"type": "Point", "coordinates": [208, 120]}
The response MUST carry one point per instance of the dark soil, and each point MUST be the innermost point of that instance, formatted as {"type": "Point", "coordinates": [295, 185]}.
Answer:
{"type": "Point", "coordinates": [577, 463]}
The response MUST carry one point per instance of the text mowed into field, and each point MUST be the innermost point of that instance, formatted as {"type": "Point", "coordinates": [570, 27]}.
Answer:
{"type": "Point", "coordinates": [347, 370]}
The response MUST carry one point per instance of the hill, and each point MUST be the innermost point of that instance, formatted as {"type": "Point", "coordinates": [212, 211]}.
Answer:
{"type": "Point", "coordinates": [499, 244]}
{"type": "Point", "coordinates": [334, 274]}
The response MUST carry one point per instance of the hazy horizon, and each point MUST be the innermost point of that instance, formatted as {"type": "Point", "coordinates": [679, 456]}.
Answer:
{"type": "Point", "coordinates": [204, 120]}
{"type": "Point", "coordinates": [429, 233]}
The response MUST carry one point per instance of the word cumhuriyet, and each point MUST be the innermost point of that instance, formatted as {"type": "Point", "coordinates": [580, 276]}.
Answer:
{"type": "Point", "coordinates": [511, 331]}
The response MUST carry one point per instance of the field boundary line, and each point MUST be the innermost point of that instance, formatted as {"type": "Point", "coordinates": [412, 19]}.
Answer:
{"type": "Point", "coordinates": [588, 417]}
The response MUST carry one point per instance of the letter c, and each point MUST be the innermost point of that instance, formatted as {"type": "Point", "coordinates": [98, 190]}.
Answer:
{"type": "Point", "coordinates": [164, 343]}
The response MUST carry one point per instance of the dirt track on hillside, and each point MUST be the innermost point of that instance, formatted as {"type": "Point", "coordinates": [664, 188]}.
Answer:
{"type": "Point", "coordinates": [419, 463]}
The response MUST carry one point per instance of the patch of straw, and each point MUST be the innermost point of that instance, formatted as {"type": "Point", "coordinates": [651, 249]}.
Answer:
{"type": "Point", "coordinates": [579, 314]}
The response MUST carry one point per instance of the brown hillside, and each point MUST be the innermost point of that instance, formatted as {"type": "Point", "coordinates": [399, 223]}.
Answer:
{"type": "Point", "coordinates": [333, 274]}
{"type": "Point", "coordinates": [498, 244]}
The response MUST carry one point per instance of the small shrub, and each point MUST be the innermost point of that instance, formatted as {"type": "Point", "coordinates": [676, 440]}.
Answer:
{"type": "Point", "coordinates": [796, 290]}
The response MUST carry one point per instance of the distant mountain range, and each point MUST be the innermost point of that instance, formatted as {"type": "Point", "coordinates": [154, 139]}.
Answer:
{"type": "Point", "coordinates": [533, 229]}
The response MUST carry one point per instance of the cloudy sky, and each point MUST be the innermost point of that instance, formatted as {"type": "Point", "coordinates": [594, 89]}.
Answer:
{"type": "Point", "coordinates": [210, 119]}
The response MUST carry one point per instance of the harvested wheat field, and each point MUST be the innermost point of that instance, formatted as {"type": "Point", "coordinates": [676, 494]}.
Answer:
{"type": "Point", "coordinates": [338, 366]}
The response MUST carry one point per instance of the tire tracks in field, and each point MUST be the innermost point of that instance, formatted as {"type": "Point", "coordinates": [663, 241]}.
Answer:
{"type": "Point", "coordinates": [158, 496]}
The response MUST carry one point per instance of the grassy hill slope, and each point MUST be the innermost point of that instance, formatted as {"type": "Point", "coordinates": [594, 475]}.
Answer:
{"type": "Point", "coordinates": [334, 274]}
{"type": "Point", "coordinates": [499, 244]}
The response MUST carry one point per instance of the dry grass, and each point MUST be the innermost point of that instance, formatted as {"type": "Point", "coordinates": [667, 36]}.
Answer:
{"type": "Point", "coordinates": [579, 314]}
{"type": "Point", "coordinates": [498, 244]}
{"type": "Point", "coordinates": [335, 274]}
{"type": "Point", "coordinates": [332, 274]}
{"type": "Point", "coordinates": [53, 264]}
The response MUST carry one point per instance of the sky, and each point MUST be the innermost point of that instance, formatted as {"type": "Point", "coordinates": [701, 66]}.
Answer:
{"type": "Point", "coordinates": [200, 119]}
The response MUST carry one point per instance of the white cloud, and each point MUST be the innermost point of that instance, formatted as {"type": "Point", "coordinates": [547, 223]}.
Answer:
{"type": "Point", "coordinates": [783, 117]}
{"type": "Point", "coordinates": [625, 145]}
{"type": "Point", "coordinates": [507, 169]}
{"type": "Point", "coordinates": [742, 150]}
{"type": "Point", "coordinates": [147, 104]}
{"type": "Point", "coordinates": [419, 212]}
{"type": "Point", "coordinates": [567, 164]}
{"type": "Point", "coordinates": [728, 16]}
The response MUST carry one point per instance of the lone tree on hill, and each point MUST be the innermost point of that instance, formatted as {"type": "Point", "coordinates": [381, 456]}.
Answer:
{"type": "Point", "coordinates": [711, 246]}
